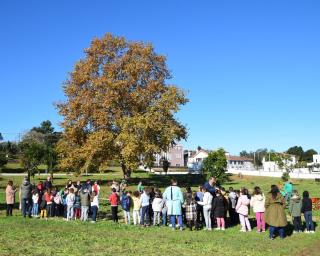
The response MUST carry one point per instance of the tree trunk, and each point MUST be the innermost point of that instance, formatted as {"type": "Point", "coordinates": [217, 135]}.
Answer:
{"type": "Point", "coordinates": [124, 169]}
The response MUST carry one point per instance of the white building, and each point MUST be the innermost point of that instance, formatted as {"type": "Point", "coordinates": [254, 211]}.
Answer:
{"type": "Point", "coordinates": [272, 166]}
{"type": "Point", "coordinates": [195, 159]}
{"type": "Point", "coordinates": [239, 163]}
{"type": "Point", "coordinates": [316, 161]}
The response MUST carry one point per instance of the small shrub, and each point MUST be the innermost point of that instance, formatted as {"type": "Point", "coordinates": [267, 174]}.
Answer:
{"type": "Point", "coordinates": [285, 176]}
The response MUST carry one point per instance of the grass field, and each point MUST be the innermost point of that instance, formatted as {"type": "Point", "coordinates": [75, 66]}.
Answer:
{"type": "Point", "coordinates": [57, 237]}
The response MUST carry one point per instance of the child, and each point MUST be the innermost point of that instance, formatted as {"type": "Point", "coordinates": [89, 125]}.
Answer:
{"type": "Point", "coordinates": [85, 202]}
{"type": "Point", "coordinates": [96, 188]}
{"type": "Point", "coordinates": [191, 212]}
{"type": "Point", "coordinates": [113, 198]}
{"type": "Point", "coordinates": [77, 206]}
{"type": "Point", "coordinates": [64, 203]}
{"type": "Point", "coordinates": [35, 201]}
{"type": "Point", "coordinates": [207, 201]}
{"type": "Point", "coordinates": [10, 197]}
{"type": "Point", "coordinates": [43, 208]}
{"type": "Point", "coordinates": [295, 211]}
{"type": "Point", "coordinates": [199, 198]}
{"type": "Point", "coordinates": [157, 205]}
{"type": "Point", "coordinates": [164, 212]}
{"type": "Point", "coordinates": [70, 204]}
{"type": "Point", "coordinates": [49, 198]}
{"type": "Point", "coordinates": [306, 209]}
{"type": "Point", "coordinates": [219, 208]}
{"type": "Point", "coordinates": [257, 202]}
{"type": "Point", "coordinates": [94, 205]}
{"type": "Point", "coordinates": [243, 209]}
{"type": "Point", "coordinates": [136, 207]}
{"type": "Point", "coordinates": [126, 205]}
{"type": "Point", "coordinates": [57, 204]}
{"type": "Point", "coordinates": [232, 198]}
{"type": "Point", "coordinates": [145, 200]}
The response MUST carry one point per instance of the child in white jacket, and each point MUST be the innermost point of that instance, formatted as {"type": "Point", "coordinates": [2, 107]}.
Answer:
{"type": "Point", "coordinates": [157, 206]}
{"type": "Point", "coordinates": [257, 203]}
{"type": "Point", "coordinates": [207, 202]}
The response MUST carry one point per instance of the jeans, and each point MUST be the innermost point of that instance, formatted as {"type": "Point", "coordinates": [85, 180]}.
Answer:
{"type": "Point", "coordinates": [173, 220]}
{"type": "Point", "coordinates": [126, 215]}
{"type": "Point", "coordinates": [297, 224]}
{"type": "Point", "coordinates": [57, 210]}
{"type": "Point", "coordinates": [244, 220]}
{"type": "Point", "coordinates": [156, 218]}
{"type": "Point", "coordinates": [272, 230]}
{"type": "Point", "coordinates": [261, 224]}
{"type": "Point", "coordinates": [207, 216]}
{"type": "Point", "coordinates": [69, 212]}
{"type": "Point", "coordinates": [49, 210]}
{"type": "Point", "coordinates": [308, 219]}
{"type": "Point", "coordinates": [164, 218]}
{"type": "Point", "coordinates": [114, 211]}
{"type": "Point", "coordinates": [94, 210]}
{"type": "Point", "coordinates": [200, 217]}
{"type": "Point", "coordinates": [84, 213]}
{"type": "Point", "coordinates": [26, 207]}
{"type": "Point", "coordinates": [136, 217]}
{"type": "Point", "coordinates": [9, 209]}
{"type": "Point", "coordinates": [145, 215]}
{"type": "Point", "coordinates": [35, 209]}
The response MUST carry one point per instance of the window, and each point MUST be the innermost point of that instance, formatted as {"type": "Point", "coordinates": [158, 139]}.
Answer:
{"type": "Point", "coordinates": [178, 156]}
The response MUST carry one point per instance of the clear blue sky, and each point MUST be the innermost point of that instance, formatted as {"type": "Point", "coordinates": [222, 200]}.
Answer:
{"type": "Point", "coordinates": [251, 68]}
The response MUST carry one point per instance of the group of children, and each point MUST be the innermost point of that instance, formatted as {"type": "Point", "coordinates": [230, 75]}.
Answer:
{"type": "Point", "coordinates": [146, 206]}
{"type": "Point", "coordinates": [201, 208]}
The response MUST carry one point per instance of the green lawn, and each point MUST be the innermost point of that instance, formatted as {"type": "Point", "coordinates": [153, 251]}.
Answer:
{"type": "Point", "coordinates": [57, 237]}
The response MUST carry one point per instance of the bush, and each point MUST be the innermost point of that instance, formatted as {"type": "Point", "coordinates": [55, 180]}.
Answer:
{"type": "Point", "coordinates": [285, 176]}
{"type": "Point", "coordinates": [3, 159]}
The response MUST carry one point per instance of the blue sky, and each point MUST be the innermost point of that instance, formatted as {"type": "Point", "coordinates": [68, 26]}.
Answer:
{"type": "Point", "coordinates": [251, 68]}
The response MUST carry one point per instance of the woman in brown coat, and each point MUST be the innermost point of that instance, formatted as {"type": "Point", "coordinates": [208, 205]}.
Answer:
{"type": "Point", "coordinates": [275, 214]}
{"type": "Point", "coordinates": [10, 193]}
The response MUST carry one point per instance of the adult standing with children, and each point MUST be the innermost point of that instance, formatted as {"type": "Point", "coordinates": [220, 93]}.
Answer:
{"type": "Point", "coordinates": [10, 197]}
{"type": "Point", "coordinates": [25, 197]}
{"type": "Point", "coordinates": [174, 200]}
{"type": "Point", "coordinates": [275, 214]}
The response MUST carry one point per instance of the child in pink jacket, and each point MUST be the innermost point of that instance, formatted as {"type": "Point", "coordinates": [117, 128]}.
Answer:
{"type": "Point", "coordinates": [243, 209]}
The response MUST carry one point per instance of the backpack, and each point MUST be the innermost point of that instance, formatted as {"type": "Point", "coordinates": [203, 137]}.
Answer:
{"type": "Point", "coordinates": [125, 203]}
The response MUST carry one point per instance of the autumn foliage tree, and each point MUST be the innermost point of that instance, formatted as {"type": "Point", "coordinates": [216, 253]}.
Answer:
{"type": "Point", "coordinates": [118, 106]}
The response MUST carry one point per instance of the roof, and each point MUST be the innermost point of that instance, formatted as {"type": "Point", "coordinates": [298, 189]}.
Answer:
{"type": "Point", "coordinates": [197, 152]}
{"type": "Point", "coordinates": [239, 158]}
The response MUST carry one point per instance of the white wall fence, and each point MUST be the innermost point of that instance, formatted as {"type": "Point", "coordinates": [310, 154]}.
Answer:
{"type": "Point", "coordinates": [302, 173]}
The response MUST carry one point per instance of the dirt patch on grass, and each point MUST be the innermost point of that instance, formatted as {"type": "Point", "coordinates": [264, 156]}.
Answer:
{"type": "Point", "coordinates": [313, 249]}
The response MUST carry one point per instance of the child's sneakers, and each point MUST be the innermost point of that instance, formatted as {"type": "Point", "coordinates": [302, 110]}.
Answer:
{"type": "Point", "coordinates": [307, 231]}
{"type": "Point", "coordinates": [217, 229]}
{"type": "Point", "coordinates": [223, 229]}
{"type": "Point", "coordinates": [312, 231]}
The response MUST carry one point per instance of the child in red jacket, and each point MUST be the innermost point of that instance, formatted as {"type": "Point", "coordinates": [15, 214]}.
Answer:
{"type": "Point", "coordinates": [114, 200]}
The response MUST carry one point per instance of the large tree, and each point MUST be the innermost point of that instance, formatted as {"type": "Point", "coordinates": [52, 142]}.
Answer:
{"type": "Point", "coordinates": [32, 151]}
{"type": "Point", "coordinates": [50, 139]}
{"type": "Point", "coordinates": [216, 165]}
{"type": "Point", "coordinates": [119, 106]}
{"type": "Point", "coordinates": [297, 151]}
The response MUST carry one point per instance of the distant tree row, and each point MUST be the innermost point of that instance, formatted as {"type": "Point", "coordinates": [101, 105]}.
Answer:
{"type": "Point", "coordinates": [36, 147]}
{"type": "Point", "coordinates": [302, 157]}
